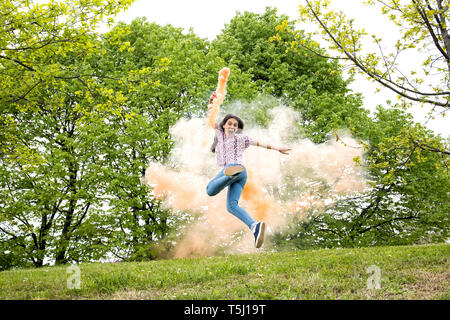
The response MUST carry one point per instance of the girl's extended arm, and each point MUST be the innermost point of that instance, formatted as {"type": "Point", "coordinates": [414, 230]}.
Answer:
{"type": "Point", "coordinates": [268, 146]}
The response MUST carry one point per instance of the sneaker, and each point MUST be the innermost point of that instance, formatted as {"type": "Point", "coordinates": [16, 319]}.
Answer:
{"type": "Point", "coordinates": [233, 170]}
{"type": "Point", "coordinates": [258, 232]}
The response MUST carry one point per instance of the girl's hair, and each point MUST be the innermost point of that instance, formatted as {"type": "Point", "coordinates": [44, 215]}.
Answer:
{"type": "Point", "coordinates": [222, 123]}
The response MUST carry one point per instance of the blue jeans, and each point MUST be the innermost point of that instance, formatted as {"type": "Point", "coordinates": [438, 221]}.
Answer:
{"type": "Point", "coordinates": [235, 185]}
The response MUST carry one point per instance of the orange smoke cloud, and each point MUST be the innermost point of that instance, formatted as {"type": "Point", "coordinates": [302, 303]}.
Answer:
{"type": "Point", "coordinates": [263, 207]}
{"type": "Point", "coordinates": [278, 186]}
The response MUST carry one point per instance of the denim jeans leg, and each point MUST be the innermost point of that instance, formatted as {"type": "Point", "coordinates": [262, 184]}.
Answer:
{"type": "Point", "coordinates": [217, 184]}
{"type": "Point", "coordinates": [233, 196]}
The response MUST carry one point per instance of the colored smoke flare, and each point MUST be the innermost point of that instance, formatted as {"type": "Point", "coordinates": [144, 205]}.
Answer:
{"type": "Point", "coordinates": [213, 108]}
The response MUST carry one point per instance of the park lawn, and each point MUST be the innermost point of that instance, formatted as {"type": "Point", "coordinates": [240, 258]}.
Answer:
{"type": "Point", "coordinates": [405, 272]}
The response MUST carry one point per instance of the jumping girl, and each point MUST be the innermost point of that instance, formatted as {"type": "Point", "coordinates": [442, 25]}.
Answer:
{"type": "Point", "coordinates": [229, 145]}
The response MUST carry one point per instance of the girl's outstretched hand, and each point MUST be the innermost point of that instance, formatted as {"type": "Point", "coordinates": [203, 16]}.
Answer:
{"type": "Point", "coordinates": [284, 150]}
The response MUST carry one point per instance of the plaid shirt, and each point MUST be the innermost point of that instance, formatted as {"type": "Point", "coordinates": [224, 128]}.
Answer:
{"type": "Point", "coordinates": [231, 150]}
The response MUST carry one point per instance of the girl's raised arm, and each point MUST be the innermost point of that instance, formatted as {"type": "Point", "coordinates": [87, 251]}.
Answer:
{"type": "Point", "coordinates": [212, 112]}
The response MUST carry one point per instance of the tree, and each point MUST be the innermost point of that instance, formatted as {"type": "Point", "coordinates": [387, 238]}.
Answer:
{"type": "Point", "coordinates": [36, 46]}
{"type": "Point", "coordinates": [310, 84]}
{"type": "Point", "coordinates": [49, 182]}
{"type": "Point", "coordinates": [54, 190]}
{"type": "Point", "coordinates": [408, 165]}
{"type": "Point", "coordinates": [407, 202]}
{"type": "Point", "coordinates": [423, 31]}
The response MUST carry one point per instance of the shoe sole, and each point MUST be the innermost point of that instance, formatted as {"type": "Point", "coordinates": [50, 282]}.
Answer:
{"type": "Point", "coordinates": [260, 239]}
{"type": "Point", "coordinates": [233, 170]}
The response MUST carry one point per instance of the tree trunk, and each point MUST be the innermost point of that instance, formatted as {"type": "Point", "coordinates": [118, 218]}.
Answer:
{"type": "Point", "coordinates": [444, 31]}
{"type": "Point", "coordinates": [67, 230]}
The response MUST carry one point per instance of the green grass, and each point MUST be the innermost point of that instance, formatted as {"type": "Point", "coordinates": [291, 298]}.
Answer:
{"type": "Point", "coordinates": [407, 272]}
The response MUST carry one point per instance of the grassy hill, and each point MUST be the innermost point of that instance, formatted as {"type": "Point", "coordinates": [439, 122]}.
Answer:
{"type": "Point", "coordinates": [406, 272]}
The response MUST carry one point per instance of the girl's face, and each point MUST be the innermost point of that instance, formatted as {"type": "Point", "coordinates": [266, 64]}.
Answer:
{"type": "Point", "coordinates": [231, 126]}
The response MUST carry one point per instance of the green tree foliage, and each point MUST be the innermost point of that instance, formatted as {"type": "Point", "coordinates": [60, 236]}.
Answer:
{"type": "Point", "coordinates": [37, 46]}
{"type": "Point", "coordinates": [402, 169]}
{"type": "Point", "coordinates": [311, 84]}
{"type": "Point", "coordinates": [91, 111]}
{"type": "Point", "coordinates": [49, 183]}
{"type": "Point", "coordinates": [72, 163]}
{"type": "Point", "coordinates": [406, 202]}
{"type": "Point", "coordinates": [423, 32]}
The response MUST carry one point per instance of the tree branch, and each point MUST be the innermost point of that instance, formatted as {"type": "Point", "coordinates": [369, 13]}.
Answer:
{"type": "Point", "coordinates": [400, 90]}
{"type": "Point", "coordinates": [386, 222]}
{"type": "Point", "coordinates": [18, 62]}
{"type": "Point", "coordinates": [424, 17]}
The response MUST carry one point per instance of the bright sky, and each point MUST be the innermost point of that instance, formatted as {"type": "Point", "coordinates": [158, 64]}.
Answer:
{"type": "Point", "coordinates": [208, 17]}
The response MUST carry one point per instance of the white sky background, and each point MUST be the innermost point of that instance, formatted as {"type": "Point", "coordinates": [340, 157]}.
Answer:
{"type": "Point", "coordinates": [207, 18]}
